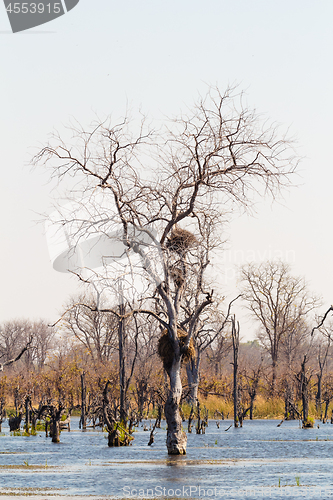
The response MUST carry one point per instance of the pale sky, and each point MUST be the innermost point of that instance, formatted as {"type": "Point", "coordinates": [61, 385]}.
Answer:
{"type": "Point", "coordinates": [104, 56]}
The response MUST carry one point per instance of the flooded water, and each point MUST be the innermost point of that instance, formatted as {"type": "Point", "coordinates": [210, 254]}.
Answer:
{"type": "Point", "coordinates": [260, 460]}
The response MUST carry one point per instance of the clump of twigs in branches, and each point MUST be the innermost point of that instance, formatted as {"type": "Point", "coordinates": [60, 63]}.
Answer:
{"type": "Point", "coordinates": [180, 240]}
{"type": "Point", "coordinates": [166, 351]}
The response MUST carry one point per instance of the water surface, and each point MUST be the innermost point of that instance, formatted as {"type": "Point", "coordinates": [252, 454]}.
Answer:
{"type": "Point", "coordinates": [260, 460]}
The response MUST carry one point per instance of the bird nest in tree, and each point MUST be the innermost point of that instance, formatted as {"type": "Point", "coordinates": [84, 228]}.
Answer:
{"type": "Point", "coordinates": [180, 240]}
{"type": "Point", "coordinates": [165, 348]}
{"type": "Point", "coordinates": [177, 276]}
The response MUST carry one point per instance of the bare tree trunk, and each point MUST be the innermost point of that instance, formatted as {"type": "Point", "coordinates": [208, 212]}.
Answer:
{"type": "Point", "coordinates": [289, 413]}
{"type": "Point", "coordinates": [235, 346]}
{"type": "Point", "coordinates": [190, 420]}
{"type": "Point", "coordinates": [83, 420]}
{"type": "Point", "coordinates": [159, 416]}
{"type": "Point", "coordinates": [122, 366]}
{"type": "Point", "coordinates": [2, 412]}
{"type": "Point", "coordinates": [235, 397]}
{"type": "Point", "coordinates": [176, 438]}
{"type": "Point", "coordinates": [304, 383]}
{"type": "Point", "coordinates": [198, 427]}
{"type": "Point", "coordinates": [193, 378]}
{"type": "Point", "coordinates": [55, 429]}
{"type": "Point", "coordinates": [305, 401]}
{"type": "Point", "coordinates": [319, 395]}
{"type": "Point", "coordinates": [324, 419]}
{"type": "Point", "coordinates": [273, 385]}
{"type": "Point", "coordinates": [252, 399]}
{"type": "Point", "coordinates": [16, 400]}
{"type": "Point", "coordinates": [27, 414]}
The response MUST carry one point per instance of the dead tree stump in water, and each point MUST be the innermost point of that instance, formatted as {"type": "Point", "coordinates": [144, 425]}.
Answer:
{"type": "Point", "coordinates": [83, 419]}
{"type": "Point", "coordinates": [118, 435]}
{"type": "Point", "coordinates": [190, 420]}
{"type": "Point", "coordinates": [304, 389]}
{"type": "Point", "coordinates": [151, 439]}
{"type": "Point", "coordinates": [2, 412]}
{"type": "Point", "coordinates": [15, 422]}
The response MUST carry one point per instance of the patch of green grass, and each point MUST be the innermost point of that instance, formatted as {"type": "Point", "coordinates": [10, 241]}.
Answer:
{"type": "Point", "coordinates": [40, 426]}
{"type": "Point", "coordinates": [309, 423]}
{"type": "Point", "coordinates": [30, 432]}
{"type": "Point", "coordinates": [26, 492]}
{"type": "Point", "coordinates": [22, 466]}
{"type": "Point", "coordinates": [16, 433]}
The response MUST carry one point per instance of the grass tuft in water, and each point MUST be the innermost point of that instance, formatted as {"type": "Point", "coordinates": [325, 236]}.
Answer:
{"type": "Point", "coordinates": [16, 433]}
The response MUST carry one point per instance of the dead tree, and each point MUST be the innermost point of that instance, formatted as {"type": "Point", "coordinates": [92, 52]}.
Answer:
{"type": "Point", "coordinates": [14, 422]}
{"type": "Point", "coordinates": [198, 427]}
{"type": "Point", "coordinates": [190, 420]}
{"type": "Point", "coordinates": [83, 419]}
{"type": "Point", "coordinates": [235, 328]}
{"type": "Point", "coordinates": [291, 411]}
{"type": "Point", "coordinates": [152, 437]}
{"type": "Point", "coordinates": [11, 361]}
{"type": "Point", "coordinates": [2, 412]}
{"type": "Point", "coordinates": [220, 151]}
{"type": "Point", "coordinates": [327, 395]}
{"type": "Point", "coordinates": [159, 416]}
{"type": "Point", "coordinates": [117, 434]}
{"type": "Point", "coordinates": [279, 302]}
{"type": "Point", "coordinates": [252, 384]}
{"type": "Point", "coordinates": [27, 413]}
{"type": "Point", "coordinates": [304, 381]}
{"type": "Point", "coordinates": [209, 333]}
{"type": "Point", "coordinates": [322, 360]}
{"type": "Point", "coordinates": [202, 420]}
{"type": "Point", "coordinates": [52, 414]}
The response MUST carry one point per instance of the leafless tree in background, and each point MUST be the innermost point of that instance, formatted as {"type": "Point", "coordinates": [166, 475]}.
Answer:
{"type": "Point", "coordinates": [280, 303]}
{"type": "Point", "coordinates": [235, 329]}
{"type": "Point", "coordinates": [16, 334]}
{"type": "Point", "coordinates": [95, 330]}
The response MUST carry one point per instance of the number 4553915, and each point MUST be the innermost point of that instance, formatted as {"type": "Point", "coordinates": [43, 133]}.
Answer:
{"type": "Point", "coordinates": [34, 8]}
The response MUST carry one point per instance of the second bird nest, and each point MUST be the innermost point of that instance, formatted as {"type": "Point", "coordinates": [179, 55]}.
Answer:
{"type": "Point", "coordinates": [166, 351]}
